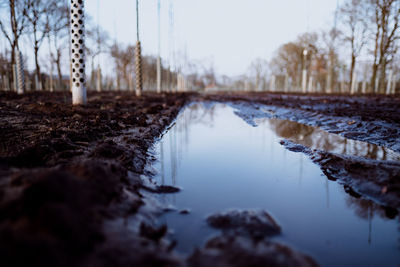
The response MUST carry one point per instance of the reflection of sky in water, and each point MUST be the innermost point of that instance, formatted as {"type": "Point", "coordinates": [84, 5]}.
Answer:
{"type": "Point", "coordinates": [222, 162]}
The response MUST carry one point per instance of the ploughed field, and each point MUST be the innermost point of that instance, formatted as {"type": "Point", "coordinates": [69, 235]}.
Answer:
{"type": "Point", "coordinates": [199, 180]}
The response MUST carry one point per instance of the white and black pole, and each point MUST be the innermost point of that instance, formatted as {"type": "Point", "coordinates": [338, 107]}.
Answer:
{"type": "Point", "coordinates": [77, 29]}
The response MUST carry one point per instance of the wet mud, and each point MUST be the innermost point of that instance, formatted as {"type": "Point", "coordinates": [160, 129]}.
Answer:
{"type": "Point", "coordinates": [71, 176]}
{"type": "Point", "coordinates": [257, 224]}
{"type": "Point", "coordinates": [231, 250]}
{"type": "Point", "coordinates": [68, 173]}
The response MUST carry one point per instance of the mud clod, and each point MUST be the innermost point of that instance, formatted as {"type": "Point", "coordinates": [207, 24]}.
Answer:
{"type": "Point", "coordinates": [162, 189]}
{"type": "Point", "coordinates": [257, 224]}
{"type": "Point", "coordinates": [228, 250]}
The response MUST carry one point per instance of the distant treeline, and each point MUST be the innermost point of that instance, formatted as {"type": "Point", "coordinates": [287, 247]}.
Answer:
{"type": "Point", "coordinates": [359, 54]}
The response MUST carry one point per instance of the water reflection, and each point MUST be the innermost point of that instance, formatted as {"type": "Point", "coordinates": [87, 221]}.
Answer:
{"type": "Point", "coordinates": [313, 137]}
{"type": "Point", "coordinates": [367, 210]}
{"type": "Point", "coordinates": [316, 138]}
{"type": "Point", "coordinates": [221, 162]}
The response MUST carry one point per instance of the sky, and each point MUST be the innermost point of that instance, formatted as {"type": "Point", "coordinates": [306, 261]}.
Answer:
{"type": "Point", "coordinates": [229, 33]}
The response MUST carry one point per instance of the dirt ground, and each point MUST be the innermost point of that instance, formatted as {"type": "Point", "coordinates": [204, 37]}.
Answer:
{"type": "Point", "coordinates": [70, 176]}
{"type": "Point", "coordinates": [67, 170]}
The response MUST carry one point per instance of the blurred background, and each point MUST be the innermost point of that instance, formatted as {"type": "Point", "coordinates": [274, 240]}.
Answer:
{"type": "Point", "coordinates": [307, 46]}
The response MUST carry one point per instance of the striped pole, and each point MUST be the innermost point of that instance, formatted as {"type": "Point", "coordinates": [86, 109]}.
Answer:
{"type": "Point", "coordinates": [20, 75]}
{"type": "Point", "coordinates": [138, 56]}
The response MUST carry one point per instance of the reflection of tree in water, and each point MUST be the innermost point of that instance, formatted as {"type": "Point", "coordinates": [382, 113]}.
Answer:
{"type": "Point", "coordinates": [306, 135]}
{"type": "Point", "coordinates": [290, 129]}
{"type": "Point", "coordinates": [367, 210]}
{"type": "Point", "coordinates": [316, 138]}
{"type": "Point", "coordinates": [201, 113]}
{"type": "Point", "coordinates": [178, 137]}
{"type": "Point", "coordinates": [313, 137]}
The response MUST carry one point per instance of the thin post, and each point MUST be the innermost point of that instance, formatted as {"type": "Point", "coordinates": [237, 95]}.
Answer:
{"type": "Point", "coordinates": [138, 56]}
{"type": "Point", "coordinates": [28, 84]}
{"type": "Point", "coordinates": [304, 81]}
{"type": "Point", "coordinates": [286, 85]}
{"type": "Point", "coordinates": [98, 82]}
{"type": "Point", "coordinates": [394, 84]}
{"type": "Point", "coordinates": [130, 82]}
{"type": "Point", "coordinates": [376, 88]}
{"type": "Point", "coordinates": [36, 82]}
{"type": "Point", "coordinates": [20, 75]}
{"type": "Point", "coordinates": [304, 78]}
{"type": "Point", "coordinates": [117, 83]}
{"type": "Point", "coordinates": [353, 83]}
{"type": "Point", "coordinates": [78, 53]}
{"type": "Point", "coordinates": [159, 48]}
{"type": "Point", "coordinates": [389, 82]}
{"type": "Point", "coordinates": [179, 82]}
{"type": "Point", "coordinates": [6, 83]}
{"type": "Point", "coordinates": [364, 87]}
{"type": "Point", "coordinates": [98, 72]}
{"type": "Point", "coordinates": [14, 69]}
{"type": "Point", "coordinates": [272, 84]}
{"type": "Point", "coordinates": [329, 78]}
{"type": "Point", "coordinates": [310, 84]}
{"type": "Point", "coordinates": [343, 82]}
{"type": "Point", "coordinates": [51, 77]}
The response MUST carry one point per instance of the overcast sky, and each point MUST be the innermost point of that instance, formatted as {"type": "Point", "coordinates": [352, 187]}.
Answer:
{"type": "Point", "coordinates": [230, 32]}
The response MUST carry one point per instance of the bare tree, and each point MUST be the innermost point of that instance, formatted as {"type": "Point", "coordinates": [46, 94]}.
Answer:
{"type": "Point", "coordinates": [15, 26]}
{"type": "Point", "coordinates": [258, 71]}
{"type": "Point", "coordinates": [331, 39]}
{"type": "Point", "coordinates": [354, 15]}
{"type": "Point", "coordinates": [38, 14]}
{"type": "Point", "coordinates": [290, 59]}
{"type": "Point", "coordinates": [97, 43]}
{"type": "Point", "coordinates": [386, 18]}
{"type": "Point", "coordinates": [124, 59]}
{"type": "Point", "coordinates": [209, 76]}
{"type": "Point", "coordinates": [58, 31]}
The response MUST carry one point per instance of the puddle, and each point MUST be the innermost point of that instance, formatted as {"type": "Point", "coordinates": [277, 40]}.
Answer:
{"type": "Point", "coordinates": [222, 162]}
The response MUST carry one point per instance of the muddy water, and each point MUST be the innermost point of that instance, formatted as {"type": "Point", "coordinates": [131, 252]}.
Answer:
{"type": "Point", "coordinates": [222, 162]}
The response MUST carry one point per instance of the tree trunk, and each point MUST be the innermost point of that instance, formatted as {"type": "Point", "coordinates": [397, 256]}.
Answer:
{"type": "Point", "coordinates": [352, 66]}
{"type": "Point", "coordinates": [13, 48]}
{"type": "Point", "coordinates": [58, 63]}
{"type": "Point", "coordinates": [38, 67]}
{"type": "Point", "coordinates": [14, 44]}
{"type": "Point", "coordinates": [373, 77]}
{"type": "Point", "coordinates": [329, 81]}
{"type": "Point", "coordinates": [382, 76]}
{"type": "Point", "coordinates": [375, 65]}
